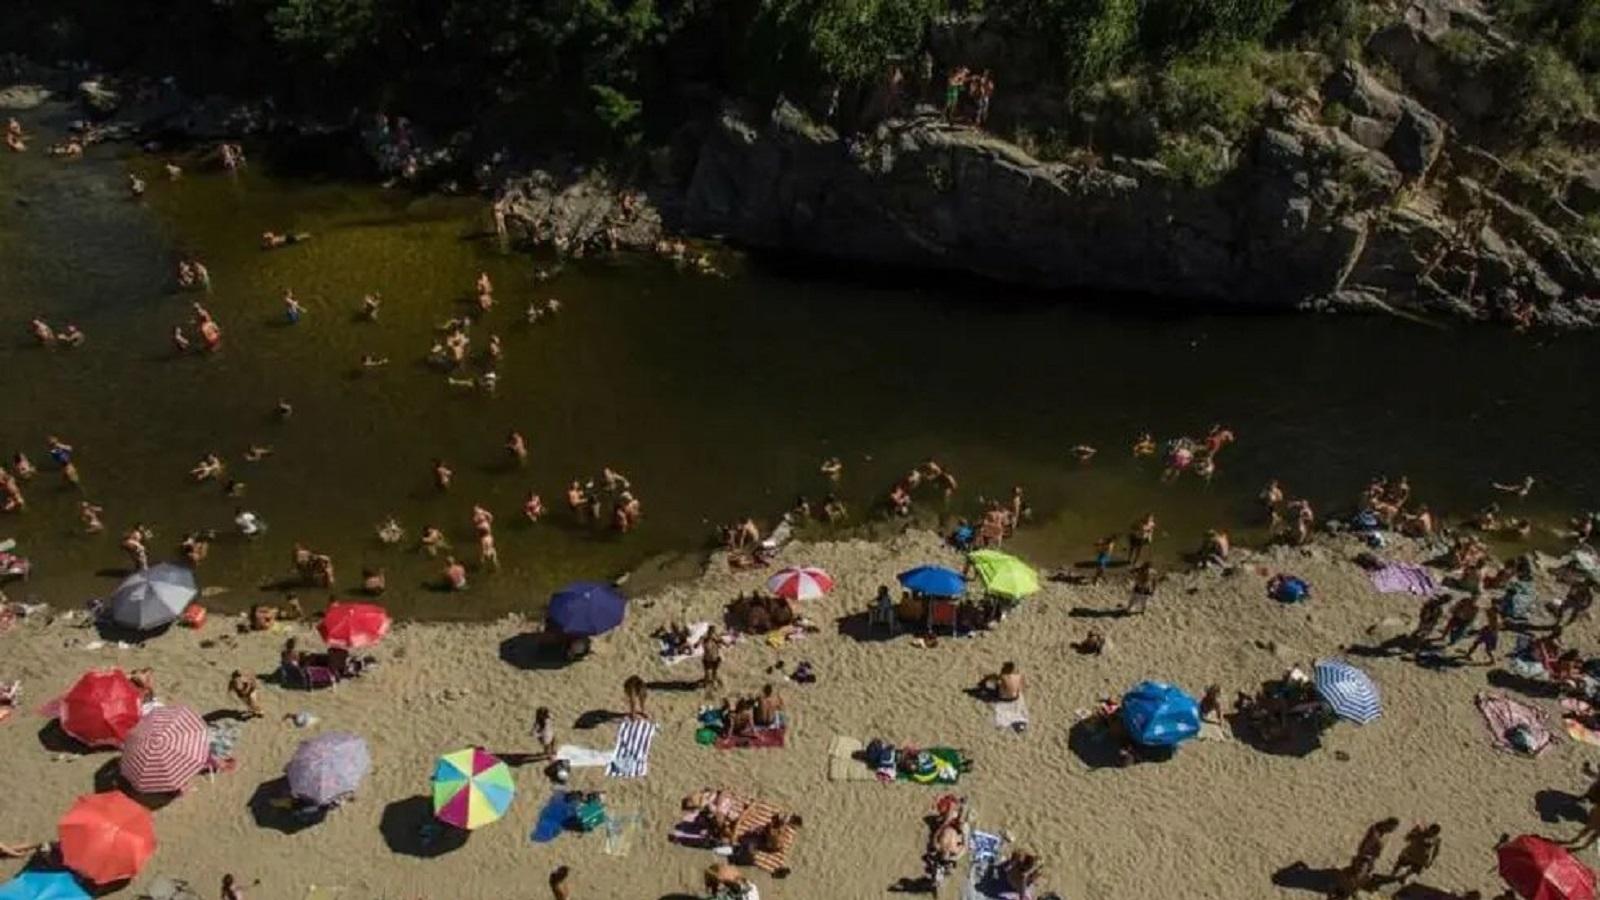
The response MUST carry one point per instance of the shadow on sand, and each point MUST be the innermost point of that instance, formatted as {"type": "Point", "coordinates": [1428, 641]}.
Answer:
{"type": "Point", "coordinates": [409, 828]}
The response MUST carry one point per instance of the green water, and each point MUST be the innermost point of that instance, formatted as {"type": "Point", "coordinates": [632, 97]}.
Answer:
{"type": "Point", "coordinates": [717, 397]}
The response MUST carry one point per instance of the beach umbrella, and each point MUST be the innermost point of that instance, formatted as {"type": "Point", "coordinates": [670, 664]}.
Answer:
{"type": "Point", "coordinates": [37, 884]}
{"type": "Point", "coordinates": [586, 608]}
{"type": "Point", "coordinates": [804, 583]}
{"type": "Point", "coordinates": [471, 788]}
{"type": "Point", "coordinates": [1538, 869]}
{"type": "Point", "coordinates": [152, 598]}
{"type": "Point", "coordinates": [1003, 575]}
{"type": "Point", "coordinates": [1158, 714]}
{"type": "Point", "coordinates": [328, 766]}
{"type": "Point", "coordinates": [1348, 690]}
{"type": "Point", "coordinates": [353, 626]}
{"type": "Point", "coordinates": [106, 838]}
{"type": "Point", "coordinates": [169, 746]}
{"type": "Point", "coordinates": [101, 708]}
{"type": "Point", "coordinates": [935, 581]}
{"type": "Point", "coordinates": [34, 884]}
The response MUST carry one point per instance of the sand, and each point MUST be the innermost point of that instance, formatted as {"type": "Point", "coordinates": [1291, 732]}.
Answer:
{"type": "Point", "coordinates": [1218, 820]}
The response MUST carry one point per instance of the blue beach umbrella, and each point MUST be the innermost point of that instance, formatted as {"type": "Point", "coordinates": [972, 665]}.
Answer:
{"type": "Point", "coordinates": [935, 581]}
{"type": "Point", "coordinates": [1158, 714]}
{"type": "Point", "coordinates": [1348, 690]}
{"type": "Point", "coordinates": [32, 884]}
{"type": "Point", "coordinates": [586, 608]}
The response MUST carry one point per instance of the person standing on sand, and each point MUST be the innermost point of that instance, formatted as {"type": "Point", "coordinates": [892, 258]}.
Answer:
{"type": "Point", "coordinates": [544, 731]}
{"type": "Point", "coordinates": [560, 883]}
{"type": "Point", "coordinates": [1371, 846]}
{"type": "Point", "coordinates": [711, 658]}
{"type": "Point", "coordinates": [1103, 549]}
{"type": "Point", "coordinates": [1144, 587]}
{"type": "Point", "coordinates": [1139, 538]}
{"type": "Point", "coordinates": [633, 690]}
{"type": "Point", "coordinates": [1488, 636]}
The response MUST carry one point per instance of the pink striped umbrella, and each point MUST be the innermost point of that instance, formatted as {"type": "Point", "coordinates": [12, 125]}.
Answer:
{"type": "Point", "coordinates": [169, 746]}
{"type": "Point", "coordinates": [804, 583]}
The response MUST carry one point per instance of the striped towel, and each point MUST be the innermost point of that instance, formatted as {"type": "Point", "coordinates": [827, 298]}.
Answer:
{"type": "Point", "coordinates": [631, 759]}
{"type": "Point", "coordinates": [756, 817]}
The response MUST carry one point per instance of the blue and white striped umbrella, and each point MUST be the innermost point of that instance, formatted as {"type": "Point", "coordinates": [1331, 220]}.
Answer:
{"type": "Point", "coordinates": [152, 598]}
{"type": "Point", "coordinates": [1347, 689]}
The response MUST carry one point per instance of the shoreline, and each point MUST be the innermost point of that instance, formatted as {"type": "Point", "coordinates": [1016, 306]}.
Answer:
{"type": "Point", "coordinates": [1219, 819]}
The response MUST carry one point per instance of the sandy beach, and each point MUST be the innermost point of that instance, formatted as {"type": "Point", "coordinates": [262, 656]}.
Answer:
{"type": "Point", "coordinates": [1218, 820]}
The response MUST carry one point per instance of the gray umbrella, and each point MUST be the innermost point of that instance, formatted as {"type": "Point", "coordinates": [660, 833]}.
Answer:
{"type": "Point", "coordinates": [152, 598]}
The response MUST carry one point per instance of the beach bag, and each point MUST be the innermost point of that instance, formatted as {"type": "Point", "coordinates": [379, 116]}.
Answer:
{"type": "Point", "coordinates": [193, 616]}
{"type": "Point", "coordinates": [589, 815]}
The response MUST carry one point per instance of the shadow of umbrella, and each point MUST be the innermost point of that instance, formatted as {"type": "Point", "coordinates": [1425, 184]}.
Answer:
{"type": "Point", "coordinates": [858, 627]}
{"type": "Point", "coordinates": [272, 807]}
{"type": "Point", "coordinates": [409, 828]}
{"type": "Point", "coordinates": [56, 740]}
{"type": "Point", "coordinates": [1559, 806]}
{"type": "Point", "coordinates": [534, 650]}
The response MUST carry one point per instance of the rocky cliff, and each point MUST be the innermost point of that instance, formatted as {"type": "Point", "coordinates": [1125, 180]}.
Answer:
{"type": "Point", "coordinates": [1394, 203]}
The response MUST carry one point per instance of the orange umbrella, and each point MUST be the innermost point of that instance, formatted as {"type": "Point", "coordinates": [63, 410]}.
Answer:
{"type": "Point", "coordinates": [106, 838]}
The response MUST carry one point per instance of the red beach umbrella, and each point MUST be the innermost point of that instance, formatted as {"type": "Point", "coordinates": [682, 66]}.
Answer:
{"type": "Point", "coordinates": [804, 583]}
{"type": "Point", "coordinates": [167, 748]}
{"type": "Point", "coordinates": [101, 708]}
{"type": "Point", "coordinates": [1538, 869]}
{"type": "Point", "coordinates": [353, 626]}
{"type": "Point", "coordinates": [106, 838]}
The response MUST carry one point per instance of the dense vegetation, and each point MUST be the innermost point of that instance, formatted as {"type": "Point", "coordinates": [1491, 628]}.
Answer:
{"type": "Point", "coordinates": [578, 72]}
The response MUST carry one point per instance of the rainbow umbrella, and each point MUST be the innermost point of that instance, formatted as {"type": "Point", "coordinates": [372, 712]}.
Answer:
{"type": "Point", "coordinates": [471, 788]}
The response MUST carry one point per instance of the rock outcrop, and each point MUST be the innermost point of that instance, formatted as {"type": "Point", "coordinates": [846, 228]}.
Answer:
{"type": "Point", "coordinates": [1393, 206]}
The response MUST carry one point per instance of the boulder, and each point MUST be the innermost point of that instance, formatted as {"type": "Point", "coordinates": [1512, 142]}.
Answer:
{"type": "Point", "coordinates": [1356, 88]}
{"type": "Point", "coordinates": [1583, 192]}
{"type": "Point", "coordinates": [99, 96]}
{"type": "Point", "coordinates": [21, 97]}
{"type": "Point", "coordinates": [1416, 141]}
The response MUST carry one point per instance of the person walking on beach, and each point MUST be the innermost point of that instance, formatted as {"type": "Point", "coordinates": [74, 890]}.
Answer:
{"type": "Point", "coordinates": [1144, 587]}
{"type": "Point", "coordinates": [1371, 846]}
{"type": "Point", "coordinates": [711, 658]}
{"type": "Point", "coordinates": [1103, 549]}
{"type": "Point", "coordinates": [244, 688]}
{"type": "Point", "coordinates": [633, 690]}
{"type": "Point", "coordinates": [561, 883]}
{"type": "Point", "coordinates": [230, 888]}
{"type": "Point", "coordinates": [1419, 854]}
{"type": "Point", "coordinates": [1488, 636]}
{"type": "Point", "coordinates": [1139, 538]}
{"type": "Point", "coordinates": [544, 731]}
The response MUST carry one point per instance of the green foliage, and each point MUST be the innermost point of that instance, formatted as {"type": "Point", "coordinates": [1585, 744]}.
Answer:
{"type": "Point", "coordinates": [1545, 91]}
{"type": "Point", "coordinates": [1221, 89]}
{"type": "Point", "coordinates": [1196, 163]}
{"type": "Point", "coordinates": [335, 29]}
{"type": "Point", "coordinates": [1572, 26]}
{"type": "Point", "coordinates": [850, 41]}
{"type": "Point", "coordinates": [1171, 27]}
{"type": "Point", "coordinates": [1092, 38]}
{"type": "Point", "coordinates": [616, 112]}
{"type": "Point", "coordinates": [1464, 47]}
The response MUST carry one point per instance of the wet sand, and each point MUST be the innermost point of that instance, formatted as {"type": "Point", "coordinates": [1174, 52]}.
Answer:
{"type": "Point", "coordinates": [1221, 819]}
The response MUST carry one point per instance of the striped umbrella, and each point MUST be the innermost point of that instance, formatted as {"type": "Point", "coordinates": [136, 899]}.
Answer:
{"type": "Point", "coordinates": [804, 583]}
{"type": "Point", "coordinates": [1348, 690]}
{"type": "Point", "coordinates": [471, 788]}
{"type": "Point", "coordinates": [328, 767]}
{"type": "Point", "coordinates": [106, 837]}
{"type": "Point", "coordinates": [37, 884]}
{"type": "Point", "coordinates": [169, 746]}
{"type": "Point", "coordinates": [152, 598]}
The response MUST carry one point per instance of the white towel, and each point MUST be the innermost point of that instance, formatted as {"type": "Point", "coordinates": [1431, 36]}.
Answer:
{"type": "Point", "coordinates": [583, 757]}
{"type": "Point", "coordinates": [1011, 713]}
{"type": "Point", "coordinates": [696, 632]}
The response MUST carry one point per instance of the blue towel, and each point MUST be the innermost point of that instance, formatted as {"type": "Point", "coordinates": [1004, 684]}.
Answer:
{"type": "Point", "coordinates": [552, 819]}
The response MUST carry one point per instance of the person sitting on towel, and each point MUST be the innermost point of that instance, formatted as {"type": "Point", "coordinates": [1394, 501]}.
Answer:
{"type": "Point", "coordinates": [1005, 686]}
{"type": "Point", "coordinates": [768, 711]}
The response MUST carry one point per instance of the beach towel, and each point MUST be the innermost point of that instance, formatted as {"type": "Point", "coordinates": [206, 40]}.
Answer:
{"type": "Point", "coordinates": [1514, 727]}
{"type": "Point", "coordinates": [584, 758]}
{"type": "Point", "coordinates": [1572, 709]}
{"type": "Point", "coordinates": [756, 816]}
{"type": "Point", "coordinates": [697, 631]}
{"type": "Point", "coordinates": [622, 832]}
{"type": "Point", "coordinates": [945, 765]}
{"type": "Point", "coordinates": [761, 738]}
{"type": "Point", "coordinates": [552, 819]}
{"type": "Point", "coordinates": [985, 847]}
{"type": "Point", "coordinates": [1408, 578]}
{"type": "Point", "coordinates": [1012, 714]}
{"type": "Point", "coordinates": [843, 764]}
{"type": "Point", "coordinates": [631, 759]}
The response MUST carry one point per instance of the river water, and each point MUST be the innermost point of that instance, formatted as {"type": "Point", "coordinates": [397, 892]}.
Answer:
{"type": "Point", "coordinates": [717, 396]}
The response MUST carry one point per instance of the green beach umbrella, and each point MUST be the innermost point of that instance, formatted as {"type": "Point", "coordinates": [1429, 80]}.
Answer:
{"type": "Point", "coordinates": [471, 788]}
{"type": "Point", "coordinates": [1003, 574]}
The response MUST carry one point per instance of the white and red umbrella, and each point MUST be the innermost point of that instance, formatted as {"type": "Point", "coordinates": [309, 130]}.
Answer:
{"type": "Point", "coordinates": [804, 583]}
{"type": "Point", "coordinates": [169, 746]}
